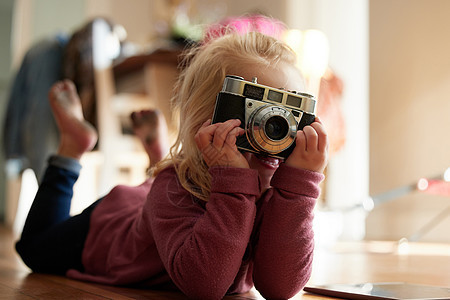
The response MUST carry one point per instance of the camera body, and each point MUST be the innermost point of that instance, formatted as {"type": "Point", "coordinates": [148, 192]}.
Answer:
{"type": "Point", "coordinates": [270, 117]}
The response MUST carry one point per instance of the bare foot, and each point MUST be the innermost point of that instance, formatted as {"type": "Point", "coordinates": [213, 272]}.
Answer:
{"type": "Point", "coordinates": [151, 129]}
{"type": "Point", "coordinates": [76, 135]}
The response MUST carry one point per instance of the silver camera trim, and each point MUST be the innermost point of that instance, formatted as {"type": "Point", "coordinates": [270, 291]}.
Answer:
{"type": "Point", "coordinates": [257, 113]}
{"type": "Point", "coordinates": [236, 85]}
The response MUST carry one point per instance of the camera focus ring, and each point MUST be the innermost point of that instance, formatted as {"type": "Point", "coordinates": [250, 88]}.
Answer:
{"type": "Point", "coordinates": [271, 129]}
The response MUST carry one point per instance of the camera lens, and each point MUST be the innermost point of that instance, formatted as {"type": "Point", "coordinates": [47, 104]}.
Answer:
{"type": "Point", "coordinates": [276, 128]}
{"type": "Point", "coordinates": [270, 128]}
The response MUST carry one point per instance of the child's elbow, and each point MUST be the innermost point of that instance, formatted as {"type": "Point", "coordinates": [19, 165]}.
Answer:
{"type": "Point", "coordinates": [281, 288]}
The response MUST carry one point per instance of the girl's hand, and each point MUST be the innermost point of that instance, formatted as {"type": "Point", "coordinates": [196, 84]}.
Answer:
{"type": "Point", "coordinates": [311, 149]}
{"type": "Point", "coordinates": [217, 143]}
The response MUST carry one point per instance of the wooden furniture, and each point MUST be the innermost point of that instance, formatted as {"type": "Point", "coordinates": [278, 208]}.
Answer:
{"type": "Point", "coordinates": [150, 74]}
{"type": "Point", "coordinates": [343, 263]}
{"type": "Point", "coordinates": [143, 81]}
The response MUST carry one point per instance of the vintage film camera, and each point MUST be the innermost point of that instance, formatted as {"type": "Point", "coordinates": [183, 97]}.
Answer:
{"type": "Point", "coordinates": [270, 116]}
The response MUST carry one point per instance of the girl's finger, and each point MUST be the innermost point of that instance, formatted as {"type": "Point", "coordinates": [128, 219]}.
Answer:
{"type": "Point", "coordinates": [206, 123]}
{"type": "Point", "coordinates": [231, 138]}
{"type": "Point", "coordinates": [205, 134]}
{"type": "Point", "coordinates": [222, 132]}
{"type": "Point", "coordinates": [300, 141]}
{"type": "Point", "coordinates": [322, 136]}
{"type": "Point", "coordinates": [311, 137]}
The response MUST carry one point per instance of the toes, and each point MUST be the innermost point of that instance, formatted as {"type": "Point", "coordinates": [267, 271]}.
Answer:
{"type": "Point", "coordinates": [69, 86]}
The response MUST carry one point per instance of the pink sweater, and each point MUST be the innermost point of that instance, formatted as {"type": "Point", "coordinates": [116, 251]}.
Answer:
{"type": "Point", "coordinates": [207, 250]}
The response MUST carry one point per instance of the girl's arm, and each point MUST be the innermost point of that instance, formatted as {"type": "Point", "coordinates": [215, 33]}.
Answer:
{"type": "Point", "coordinates": [201, 246]}
{"type": "Point", "coordinates": [284, 253]}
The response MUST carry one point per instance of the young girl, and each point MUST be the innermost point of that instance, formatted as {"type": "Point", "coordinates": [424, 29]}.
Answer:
{"type": "Point", "coordinates": [215, 221]}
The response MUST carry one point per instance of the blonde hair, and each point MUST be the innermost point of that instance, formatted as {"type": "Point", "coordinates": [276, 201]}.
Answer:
{"type": "Point", "coordinates": [196, 91]}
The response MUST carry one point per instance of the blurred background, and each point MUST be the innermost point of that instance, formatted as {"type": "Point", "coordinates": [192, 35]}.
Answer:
{"type": "Point", "coordinates": [389, 83]}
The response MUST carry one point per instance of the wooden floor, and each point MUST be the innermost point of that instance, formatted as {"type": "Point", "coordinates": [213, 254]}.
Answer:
{"type": "Point", "coordinates": [17, 282]}
{"type": "Point", "coordinates": [427, 264]}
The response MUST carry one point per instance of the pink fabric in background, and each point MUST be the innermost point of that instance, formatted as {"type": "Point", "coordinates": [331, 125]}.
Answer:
{"type": "Point", "coordinates": [244, 24]}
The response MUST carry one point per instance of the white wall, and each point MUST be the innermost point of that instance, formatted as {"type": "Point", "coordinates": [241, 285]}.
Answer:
{"type": "Point", "coordinates": [345, 22]}
{"type": "Point", "coordinates": [409, 112]}
{"type": "Point", "coordinates": [38, 19]}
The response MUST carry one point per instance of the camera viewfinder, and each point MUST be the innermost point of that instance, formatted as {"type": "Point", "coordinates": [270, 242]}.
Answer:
{"type": "Point", "coordinates": [254, 92]}
{"type": "Point", "coordinates": [275, 96]}
{"type": "Point", "coordinates": [294, 101]}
